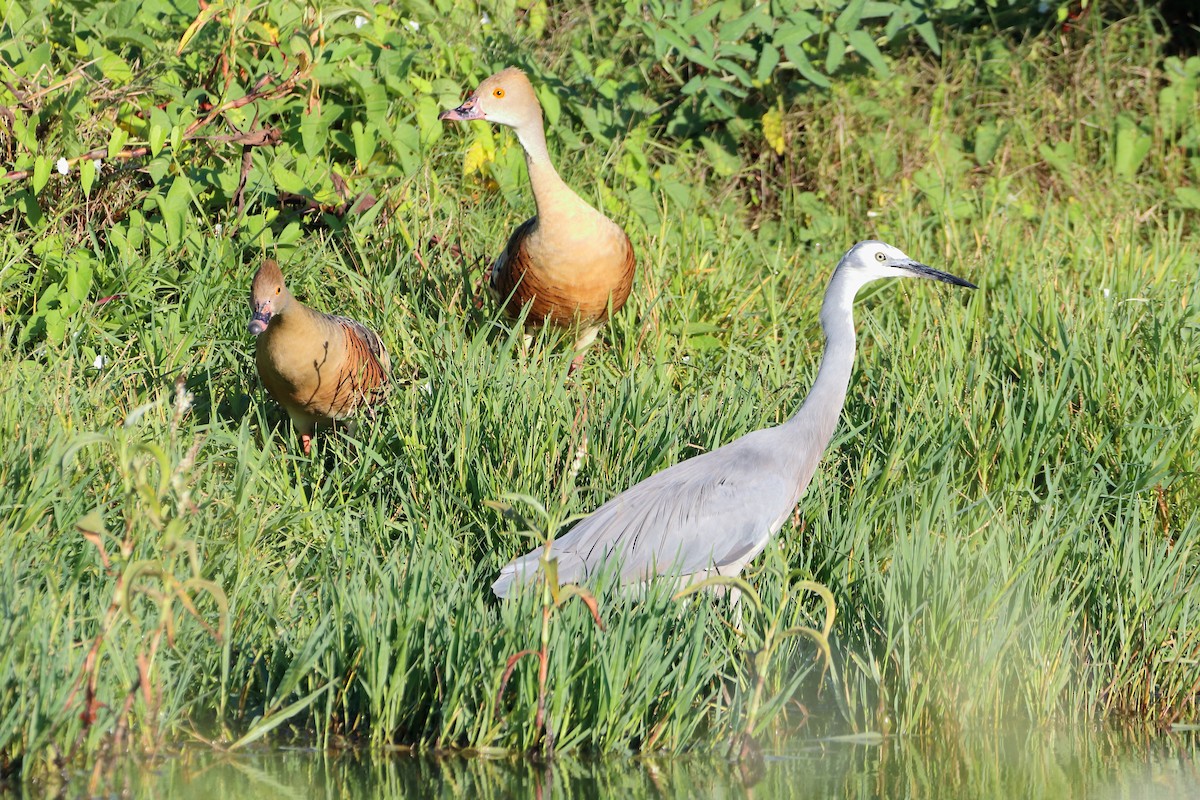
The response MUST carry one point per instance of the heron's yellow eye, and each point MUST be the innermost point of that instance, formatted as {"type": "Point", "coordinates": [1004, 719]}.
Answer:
{"type": "Point", "coordinates": [277, 289]}
{"type": "Point", "coordinates": [881, 256]}
{"type": "Point", "coordinates": [497, 93]}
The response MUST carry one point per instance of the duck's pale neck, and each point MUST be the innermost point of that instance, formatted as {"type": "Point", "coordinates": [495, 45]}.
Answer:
{"type": "Point", "coordinates": [293, 315]}
{"type": "Point", "coordinates": [818, 415]}
{"type": "Point", "coordinates": [550, 193]}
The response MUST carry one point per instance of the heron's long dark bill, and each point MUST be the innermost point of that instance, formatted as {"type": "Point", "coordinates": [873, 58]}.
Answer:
{"type": "Point", "coordinates": [259, 321]}
{"type": "Point", "coordinates": [468, 110]}
{"type": "Point", "coordinates": [923, 271]}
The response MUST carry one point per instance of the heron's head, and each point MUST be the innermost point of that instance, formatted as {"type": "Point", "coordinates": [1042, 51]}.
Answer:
{"type": "Point", "coordinates": [506, 98]}
{"type": "Point", "coordinates": [871, 260]}
{"type": "Point", "coordinates": [268, 296]}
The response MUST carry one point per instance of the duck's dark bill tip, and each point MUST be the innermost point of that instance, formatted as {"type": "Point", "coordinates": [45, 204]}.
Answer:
{"type": "Point", "coordinates": [466, 111]}
{"type": "Point", "coordinates": [938, 275]}
{"type": "Point", "coordinates": [259, 322]}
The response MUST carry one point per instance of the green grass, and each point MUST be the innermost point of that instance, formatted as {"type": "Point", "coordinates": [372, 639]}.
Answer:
{"type": "Point", "coordinates": [1008, 517]}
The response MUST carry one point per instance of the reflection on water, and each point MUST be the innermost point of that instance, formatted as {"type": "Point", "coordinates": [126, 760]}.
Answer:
{"type": "Point", "coordinates": [1035, 764]}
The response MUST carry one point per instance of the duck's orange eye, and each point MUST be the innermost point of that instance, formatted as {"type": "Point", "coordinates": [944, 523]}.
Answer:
{"type": "Point", "coordinates": [497, 93]}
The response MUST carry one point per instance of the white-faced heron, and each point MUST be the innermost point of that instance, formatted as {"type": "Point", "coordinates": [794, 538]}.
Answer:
{"type": "Point", "coordinates": [712, 514]}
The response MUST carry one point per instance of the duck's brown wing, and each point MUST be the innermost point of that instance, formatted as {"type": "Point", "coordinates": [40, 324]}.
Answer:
{"type": "Point", "coordinates": [514, 280]}
{"type": "Point", "coordinates": [362, 376]}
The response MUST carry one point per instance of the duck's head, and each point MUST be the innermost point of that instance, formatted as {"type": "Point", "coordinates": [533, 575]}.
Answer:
{"type": "Point", "coordinates": [269, 296]}
{"type": "Point", "coordinates": [506, 98]}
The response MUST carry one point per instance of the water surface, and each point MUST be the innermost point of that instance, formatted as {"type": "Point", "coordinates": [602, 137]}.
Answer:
{"type": "Point", "coordinates": [1032, 764]}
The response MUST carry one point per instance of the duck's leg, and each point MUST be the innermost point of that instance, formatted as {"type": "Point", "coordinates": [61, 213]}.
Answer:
{"type": "Point", "coordinates": [586, 337]}
{"type": "Point", "coordinates": [576, 363]}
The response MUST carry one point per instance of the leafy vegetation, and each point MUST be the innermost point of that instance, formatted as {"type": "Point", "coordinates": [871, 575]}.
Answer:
{"type": "Point", "coordinates": [1007, 522]}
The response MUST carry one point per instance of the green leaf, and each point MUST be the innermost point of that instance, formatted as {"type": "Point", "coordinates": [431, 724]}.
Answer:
{"type": "Point", "coordinates": [174, 207]}
{"type": "Point", "coordinates": [116, 141]}
{"type": "Point", "coordinates": [836, 54]}
{"type": "Point", "coordinates": [826, 596]}
{"type": "Point", "coordinates": [766, 64]}
{"type": "Point", "coordinates": [723, 162]}
{"type": "Point", "coordinates": [27, 204]}
{"type": "Point", "coordinates": [25, 133]}
{"type": "Point", "coordinates": [158, 169]}
{"type": "Point", "coordinates": [1061, 157]}
{"type": "Point", "coordinates": [41, 173]}
{"type": "Point", "coordinates": [112, 66]}
{"type": "Point", "coordinates": [735, 29]}
{"type": "Point", "coordinates": [311, 131]}
{"type": "Point", "coordinates": [286, 180]}
{"type": "Point", "coordinates": [157, 137]}
{"type": "Point", "coordinates": [92, 522]}
{"type": "Point", "coordinates": [290, 234]}
{"type": "Point", "coordinates": [364, 143]}
{"type": "Point", "coordinates": [56, 326]}
{"type": "Point", "coordinates": [699, 22]}
{"type": "Point", "coordinates": [865, 46]}
{"type": "Point", "coordinates": [873, 9]}
{"type": "Point", "coordinates": [1133, 145]}
{"type": "Point", "coordinates": [800, 61]}
{"type": "Point", "coordinates": [848, 20]}
{"type": "Point", "coordinates": [928, 33]}
{"type": "Point", "coordinates": [988, 138]}
{"type": "Point", "coordinates": [87, 175]}
{"type": "Point", "coordinates": [79, 282]}
{"type": "Point", "coordinates": [731, 67]}
{"type": "Point", "coordinates": [406, 142]}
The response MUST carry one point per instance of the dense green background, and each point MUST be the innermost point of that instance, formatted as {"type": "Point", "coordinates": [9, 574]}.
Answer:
{"type": "Point", "coordinates": [1007, 518]}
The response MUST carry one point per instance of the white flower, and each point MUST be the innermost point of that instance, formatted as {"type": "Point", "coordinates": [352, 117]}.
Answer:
{"type": "Point", "coordinates": [1106, 292]}
{"type": "Point", "coordinates": [872, 214]}
{"type": "Point", "coordinates": [99, 362]}
{"type": "Point", "coordinates": [485, 19]}
{"type": "Point", "coordinates": [416, 26]}
{"type": "Point", "coordinates": [359, 21]}
{"type": "Point", "coordinates": [97, 163]}
{"type": "Point", "coordinates": [217, 229]}
{"type": "Point", "coordinates": [63, 166]}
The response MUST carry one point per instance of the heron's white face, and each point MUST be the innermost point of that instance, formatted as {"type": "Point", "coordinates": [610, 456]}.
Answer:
{"type": "Point", "coordinates": [871, 260]}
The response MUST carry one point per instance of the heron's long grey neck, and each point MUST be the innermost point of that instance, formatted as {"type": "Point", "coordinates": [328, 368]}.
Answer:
{"type": "Point", "coordinates": [818, 415]}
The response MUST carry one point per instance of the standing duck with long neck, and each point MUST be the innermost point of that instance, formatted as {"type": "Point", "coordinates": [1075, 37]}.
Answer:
{"type": "Point", "coordinates": [571, 263]}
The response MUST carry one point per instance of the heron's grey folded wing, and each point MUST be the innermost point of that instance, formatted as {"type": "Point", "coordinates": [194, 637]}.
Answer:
{"type": "Point", "coordinates": [680, 525]}
{"type": "Point", "coordinates": [715, 509]}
